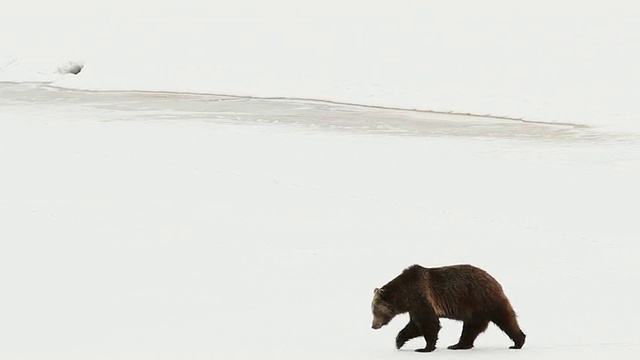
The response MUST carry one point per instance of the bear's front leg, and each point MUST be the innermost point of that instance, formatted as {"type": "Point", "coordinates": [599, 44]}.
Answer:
{"type": "Point", "coordinates": [429, 326]}
{"type": "Point", "coordinates": [409, 332]}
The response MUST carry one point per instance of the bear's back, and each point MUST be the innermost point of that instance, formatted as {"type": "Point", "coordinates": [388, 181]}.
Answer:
{"type": "Point", "coordinates": [459, 291]}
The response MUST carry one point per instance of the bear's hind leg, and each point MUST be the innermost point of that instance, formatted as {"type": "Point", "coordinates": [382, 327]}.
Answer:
{"type": "Point", "coordinates": [505, 318]}
{"type": "Point", "coordinates": [470, 331]}
{"type": "Point", "coordinates": [409, 332]}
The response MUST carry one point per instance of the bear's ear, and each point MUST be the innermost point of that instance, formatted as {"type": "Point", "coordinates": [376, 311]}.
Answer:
{"type": "Point", "coordinates": [375, 291]}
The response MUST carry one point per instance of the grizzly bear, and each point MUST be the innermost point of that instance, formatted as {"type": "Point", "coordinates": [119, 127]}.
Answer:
{"type": "Point", "coordinates": [458, 292]}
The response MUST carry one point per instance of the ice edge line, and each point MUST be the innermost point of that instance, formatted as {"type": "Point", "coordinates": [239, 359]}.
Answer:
{"type": "Point", "coordinates": [381, 107]}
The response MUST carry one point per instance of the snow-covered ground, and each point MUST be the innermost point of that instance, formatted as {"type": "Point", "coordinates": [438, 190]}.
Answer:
{"type": "Point", "coordinates": [160, 225]}
{"type": "Point", "coordinates": [549, 60]}
{"type": "Point", "coordinates": [167, 226]}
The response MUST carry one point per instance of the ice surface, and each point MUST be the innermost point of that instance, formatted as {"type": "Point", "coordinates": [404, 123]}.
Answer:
{"type": "Point", "coordinates": [164, 226]}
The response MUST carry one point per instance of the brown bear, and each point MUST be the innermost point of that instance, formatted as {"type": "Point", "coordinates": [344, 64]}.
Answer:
{"type": "Point", "coordinates": [458, 292]}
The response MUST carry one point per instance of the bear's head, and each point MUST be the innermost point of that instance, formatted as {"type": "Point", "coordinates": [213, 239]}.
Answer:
{"type": "Point", "coordinates": [382, 311]}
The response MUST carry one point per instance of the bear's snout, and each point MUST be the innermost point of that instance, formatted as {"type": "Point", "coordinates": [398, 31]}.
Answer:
{"type": "Point", "coordinates": [376, 326]}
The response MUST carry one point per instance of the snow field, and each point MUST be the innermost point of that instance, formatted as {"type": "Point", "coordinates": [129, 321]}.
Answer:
{"type": "Point", "coordinates": [555, 61]}
{"type": "Point", "coordinates": [194, 239]}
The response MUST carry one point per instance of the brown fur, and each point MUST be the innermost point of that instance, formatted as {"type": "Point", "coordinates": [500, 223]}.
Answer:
{"type": "Point", "coordinates": [458, 292]}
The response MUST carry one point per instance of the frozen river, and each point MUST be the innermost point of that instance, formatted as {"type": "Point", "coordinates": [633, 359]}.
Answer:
{"type": "Point", "coordinates": [315, 115]}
